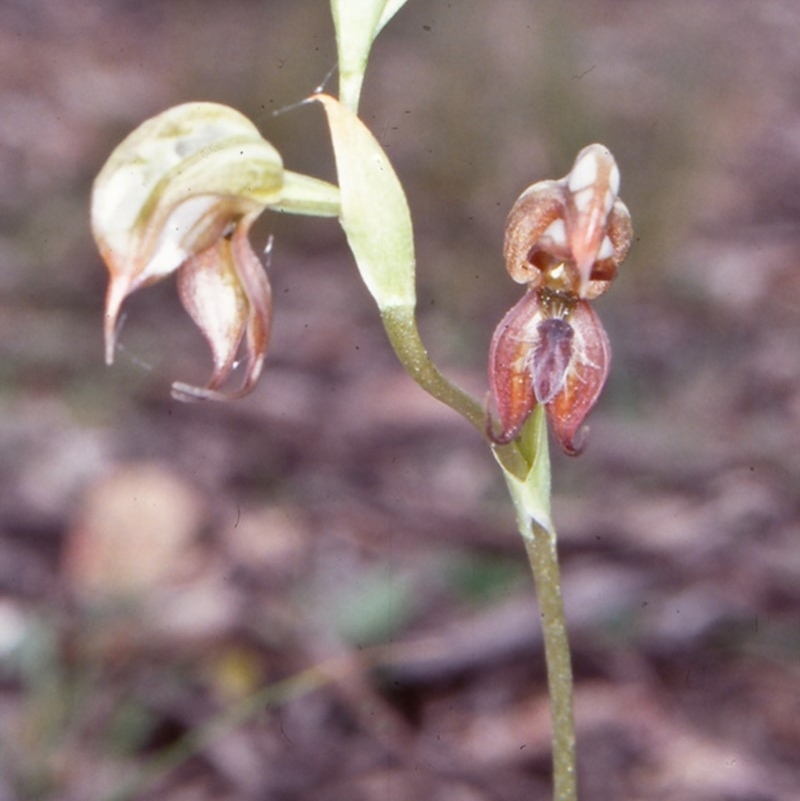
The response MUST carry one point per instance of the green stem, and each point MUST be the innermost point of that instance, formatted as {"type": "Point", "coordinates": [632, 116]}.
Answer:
{"type": "Point", "coordinates": [540, 541]}
{"type": "Point", "coordinates": [401, 328]}
{"type": "Point", "coordinates": [350, 89]}
{"type": "Point", "coordinates": [543, 558]}
{"type": "Point", "coordinates": [530, 493]}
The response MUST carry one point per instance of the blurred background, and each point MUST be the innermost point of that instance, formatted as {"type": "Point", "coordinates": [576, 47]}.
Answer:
{"type": "Point", "coordinates": [318, 592]}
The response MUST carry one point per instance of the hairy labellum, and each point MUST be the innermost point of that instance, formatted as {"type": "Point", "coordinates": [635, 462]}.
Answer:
{"type": "Point", "coordinates": [551, 357]}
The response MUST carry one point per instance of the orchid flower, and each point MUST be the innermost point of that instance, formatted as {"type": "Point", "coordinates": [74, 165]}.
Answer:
{"type": "Point", "coordinates": [565, 240]}
{"type": "Point", "coordinates": [180, 194]}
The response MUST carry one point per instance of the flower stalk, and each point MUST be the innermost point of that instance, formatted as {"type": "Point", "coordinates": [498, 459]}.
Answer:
{"type": "Point", "coordinates": [543, 557]}
{"type": "Point", "coordinates": [531, 499]}
{"type": "Point", "coordinates": [401, 328]}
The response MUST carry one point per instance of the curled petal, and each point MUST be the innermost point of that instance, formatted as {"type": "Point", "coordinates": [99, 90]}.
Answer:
{"type": "Point", "coordinates": [226, 292]}
{"type": "Point", "coordinates": [210, 291]}
{"type": "Point", "coordinates": [620, 231]}
{"type": "Point", "coordinates": [536, 233]}
{"type": "Point", "coordinates": [510, 377]}
{"type": "Point", "coordinates": [586, 375]}
{"type": "Point", "coordinates": [259, 294]}
{"type": "Point", "coordinates": [613, 250]}
{"type": "Point", "coordinates": [118, 290]}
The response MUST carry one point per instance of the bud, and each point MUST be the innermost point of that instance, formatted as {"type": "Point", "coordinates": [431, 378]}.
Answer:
{"type": "Point", "coordinates": [564, 239]}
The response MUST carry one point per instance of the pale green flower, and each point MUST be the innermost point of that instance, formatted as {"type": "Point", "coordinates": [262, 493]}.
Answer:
{"type": "Point", "coordinates": [180, 193]}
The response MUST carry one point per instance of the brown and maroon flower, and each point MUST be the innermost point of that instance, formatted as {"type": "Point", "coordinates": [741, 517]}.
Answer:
{"type": "Point", "coordinates": [565, 240]}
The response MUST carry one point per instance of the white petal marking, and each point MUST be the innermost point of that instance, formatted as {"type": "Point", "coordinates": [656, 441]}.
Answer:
{"type": "Point", "coordinates": [606, 249]}
{"type": "Point", "coordinates": [556, 232]}
{"type": "Point", "coordinates": [613, 176]}
{"type": "Point", "coordinates": [584, 172]}
{"type": "Point", "coordinates": [583, 199]}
